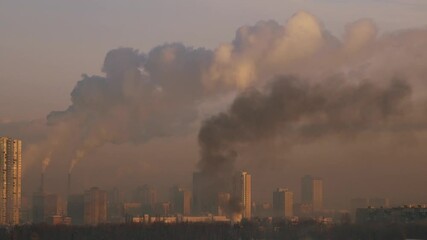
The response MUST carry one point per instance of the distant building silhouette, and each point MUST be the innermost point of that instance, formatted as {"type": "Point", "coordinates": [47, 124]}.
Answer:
{"type": "Point", "coordinates": [357, 203]}
{"type": "Point", "coordinates": [204, 195]}
{"type": "Point", "coordinates": [45, 206]}
{"type": "Point", "coordinates": [163, 209]}
{"type": "Point", "coordinates": [181, 200]}
{"type": "Point", "coordinates": [312, 192]}
{"type": "Point", "coordinates": [95, 206]}
{"type": "Point", "coordinates": [283, 203]}
{"type": "Point", "coordinates": [379, 202]}
{"type": "Point", "coordinates": [147, 196]}
{"type": "Point", "coordinates": [198, 197]}
{"type": "Point", "coordinates": [403, 214]}
{"type": "Point", "coordinates": [115, 205]}
{"type": "Point", "coordinates": [75, 208]}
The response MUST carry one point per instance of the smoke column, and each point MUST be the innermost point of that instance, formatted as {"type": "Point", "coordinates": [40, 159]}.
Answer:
{"type": "Point", "coordinates": [298, 111]}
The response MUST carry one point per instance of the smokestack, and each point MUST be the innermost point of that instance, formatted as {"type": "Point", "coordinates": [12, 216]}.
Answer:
{"type": "Point", "coordinates": [69, 185]}
{"type": "Point", "coordinates": [42, 183]}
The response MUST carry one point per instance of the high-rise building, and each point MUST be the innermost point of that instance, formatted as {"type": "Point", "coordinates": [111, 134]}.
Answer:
{"type": "Point", "coordinates": [147, 196]}
{"type": "Point", "coordinates": [283, 203]}
{"type": "Point", "coordinates": [307, 189]}
{"type": "Point", "coordinates": [204, 194]}
{"type": "Point", "coordinates": [75, 208]}
{"type": "Point", "coordinates": [10, 180]}
{"type": "Point", "coordinates": [312, 192]}
{"type": "Point", "coordinates": [242, 192]}
{"type": "Point", "coordinates": [317, 194]}
{"type": "Point", "coordinates": [95, 206]}
{"type": "Point", "coordinates": [181, 201]}
{"type": "Point", "coordinates": [38, 207]}
{"type": "Point", "coordinates": [115, 205]}
{"type": "Point", "coordinates": [197, 193]}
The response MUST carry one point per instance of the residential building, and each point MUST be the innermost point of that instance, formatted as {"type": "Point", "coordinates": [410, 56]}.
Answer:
{"type": "Point", "coordinates": [10, 180]}
{"type": "Point", "coordinates": [242, 193]}
{"type": "Point", "coordinates": [95, 206]}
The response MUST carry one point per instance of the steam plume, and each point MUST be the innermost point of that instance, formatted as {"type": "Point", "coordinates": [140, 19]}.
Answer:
{"type": "Point", "coordinates": [46, 161]}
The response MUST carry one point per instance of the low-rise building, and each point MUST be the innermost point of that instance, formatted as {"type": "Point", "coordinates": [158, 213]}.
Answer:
{"type": "Point", "coordinates": [403, 214]}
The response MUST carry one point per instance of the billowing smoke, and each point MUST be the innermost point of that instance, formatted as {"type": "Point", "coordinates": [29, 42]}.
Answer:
{"type": "Point", "coordinates": [160, 93]}
{"type": "Point", "coordinates": [141, 96]}
{"type": "Point", "coordinates": [362, 83]}
{"type": "Point", "coordinates": [298, 111]}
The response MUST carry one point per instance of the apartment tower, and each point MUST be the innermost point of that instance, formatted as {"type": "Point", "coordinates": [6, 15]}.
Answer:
{"type": "Point", "coordinates": [242, 192]}
{"type": "Point", "coordinates": [10, 180]}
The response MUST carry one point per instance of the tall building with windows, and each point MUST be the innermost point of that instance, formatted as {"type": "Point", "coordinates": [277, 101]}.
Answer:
{"type": "Point", "coordinates": [242, 192]}
{"type": "Point", "coordinates": [10, 180]}
{"type": "Point", "coordinates": [283, 203]}
{"type": "Point", "coordinates": [312, 192]}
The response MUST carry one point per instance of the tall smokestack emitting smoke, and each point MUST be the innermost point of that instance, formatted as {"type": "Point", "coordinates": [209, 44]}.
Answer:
{"type": "Point", "coordinates": [46, 161]}
{"type": "Point", "coordinates": [42, 183]}
{"type": "Point", "coordinates": [69, 184]}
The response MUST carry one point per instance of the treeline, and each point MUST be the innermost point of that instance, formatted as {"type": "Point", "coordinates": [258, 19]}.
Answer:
{"type": "Point", "coordinates": [217, 231]}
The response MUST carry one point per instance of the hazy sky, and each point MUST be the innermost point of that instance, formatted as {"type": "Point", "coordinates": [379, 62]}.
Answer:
{"type": "Point", "coordinates": [46, 45]}
{"type": "Point", "coordinates": [132, 127]}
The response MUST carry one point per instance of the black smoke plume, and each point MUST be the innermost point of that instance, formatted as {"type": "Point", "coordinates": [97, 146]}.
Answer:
{"type": "Point", "coordinates": [298, 111]}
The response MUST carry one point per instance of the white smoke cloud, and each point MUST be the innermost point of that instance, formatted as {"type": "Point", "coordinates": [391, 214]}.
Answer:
{"type": "Point", "coordinates": [266, 49]}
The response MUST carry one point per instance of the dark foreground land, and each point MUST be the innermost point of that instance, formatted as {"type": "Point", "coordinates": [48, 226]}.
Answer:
{"type": "Point", "coordinates": [216, 231]}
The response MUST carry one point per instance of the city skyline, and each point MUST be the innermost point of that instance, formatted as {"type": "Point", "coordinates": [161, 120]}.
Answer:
{"type": "Point", "coordinates": [340, 96]}
{"type": "Point", "coordinates": [95, 206]}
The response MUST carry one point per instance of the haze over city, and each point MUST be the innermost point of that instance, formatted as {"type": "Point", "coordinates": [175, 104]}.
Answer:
{"type": "Point", "coordinates": [125, 93]}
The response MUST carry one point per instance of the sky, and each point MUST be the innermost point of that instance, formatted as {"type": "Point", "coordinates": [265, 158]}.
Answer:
{"type": "Point", "coordinates": [46, 45]}
{"type": "Point", "coordinates": [148, 130]}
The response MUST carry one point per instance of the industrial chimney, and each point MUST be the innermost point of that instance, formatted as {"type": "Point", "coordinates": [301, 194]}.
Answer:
{"type": "Point", "coordinates": [69, 184]}
{"type": "Point", "coordinates": [42, 183]}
